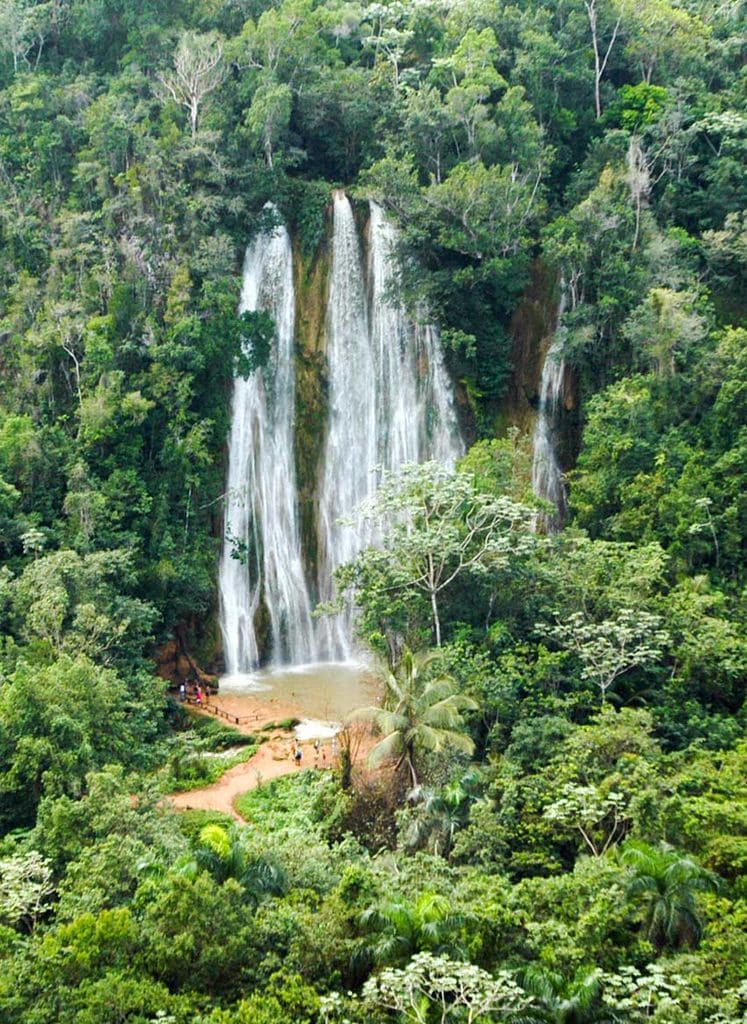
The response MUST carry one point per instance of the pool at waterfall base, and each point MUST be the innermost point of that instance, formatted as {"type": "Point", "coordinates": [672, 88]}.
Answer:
{"type": "Point", "coordinates": [321, 694]}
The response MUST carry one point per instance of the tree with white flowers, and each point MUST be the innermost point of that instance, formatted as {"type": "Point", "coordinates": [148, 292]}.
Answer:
{"type": "Point", "coordinates": [608, 649]}
{"type": "Point", "coordinates": [601, 819]}
{"type": "Point", "coordinates": [436, 989]}
{"type": "Point", "coordinates": [438, 527]}
{"type": "Point", "coordinates": [26, 887]}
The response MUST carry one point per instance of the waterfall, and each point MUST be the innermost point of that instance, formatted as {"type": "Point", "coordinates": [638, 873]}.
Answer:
{"type": "Point", "coordinates": [398, 404]}
{"type": "Point", "coordinates": [547, 476]}
{"type": "Point", "coordinates": [390, 399]}
{"type": "Point", "coordinates": [351, 451]}
{"type": "Point", "coordinates": [261, 509]}
{"type": "Point", "coordinates": [441, 439]}
{"type": "Point", "coordinates": [415, 404]}
{"type": "Point", "coordinates": [390, 402]}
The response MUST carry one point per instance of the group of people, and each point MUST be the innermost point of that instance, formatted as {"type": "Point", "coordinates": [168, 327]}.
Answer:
{"type": "Point", "coordinates": [320, 752]}
{"type": "Point", "coordinates": [296, 752]}
{"type": "Point", "coordinates": [198, 695]}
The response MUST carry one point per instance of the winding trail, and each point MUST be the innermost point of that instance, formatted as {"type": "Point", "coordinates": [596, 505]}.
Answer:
{"type": "Point", "coordinates": [271, 761]}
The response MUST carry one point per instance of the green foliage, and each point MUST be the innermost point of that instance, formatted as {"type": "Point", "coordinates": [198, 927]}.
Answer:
{"type": "Point", "coordinates": [403, 929]}
{"type": "Point", "coordinates": [662, 476]}
{"type": "Point", "coordinates": [190, 766]}
{"type": "Point", "coordinates": [195, 932]}
{"type": "Point", "coordinates": [637, 106]}
{"type": "Point", "coordinates": [501, 466]}
{"type": "Point", "coordinates": [62, 721]}
{"type": "Point", "coordinates": [666, 882]}
{"type": "Point", "coordinates": [453, 989]}
{"type": "Point", "coordinates": [140, 142]}
{"type": "Point", "coordinates": [424, 714]}
{"type": "Point", "coordinates": [443, 530]}
{"type": "Point", "coordinates": [76, 603]}
{"type": "Point", "coordinates": [439, 814]}
{"type": "Point", "coordinates": [284, 804]}
{"type": "Point", "coordinates": [202, 751]}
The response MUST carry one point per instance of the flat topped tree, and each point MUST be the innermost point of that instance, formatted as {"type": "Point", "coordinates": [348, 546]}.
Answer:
{"type": "Point", "coordinates": [438, 527]}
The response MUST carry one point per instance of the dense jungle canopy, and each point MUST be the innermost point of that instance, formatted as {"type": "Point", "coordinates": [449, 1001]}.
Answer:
{"type": "Point", "coordinates": [565, 838]}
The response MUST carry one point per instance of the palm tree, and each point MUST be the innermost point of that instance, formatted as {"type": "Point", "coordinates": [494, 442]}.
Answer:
{"type": "Point", "coordinates": [222, 852]}
{"type": "Point", "coordinates": [426, 714]}
{"type": "Point", "coordinates": [439, 814]}
{"type": "Point", "coordinates": [668, 882]}
{"type": "Point", "coordinates": [403, 929]}
{"type": "Point", "coordinates": [561, 1001]}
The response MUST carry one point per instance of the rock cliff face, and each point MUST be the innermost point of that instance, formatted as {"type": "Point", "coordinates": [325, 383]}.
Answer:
{"type": "Point", "coordinates": [176, 662]}
{"type": "Point", "coordinates": [311, 276]}
{"type": "Point", "coordinates": [532, 327]}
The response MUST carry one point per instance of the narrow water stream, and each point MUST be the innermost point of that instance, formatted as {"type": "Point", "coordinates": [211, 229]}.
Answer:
{"type": "Point", "coordinates": [548, 481]}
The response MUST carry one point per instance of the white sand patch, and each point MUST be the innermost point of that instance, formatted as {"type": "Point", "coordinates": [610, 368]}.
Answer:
{"type": "Point", "coordinates": [311, 729]}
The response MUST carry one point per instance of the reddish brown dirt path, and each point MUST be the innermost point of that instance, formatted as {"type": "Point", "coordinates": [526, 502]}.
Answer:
{"type": "Point", "coordinates": [271, 761]}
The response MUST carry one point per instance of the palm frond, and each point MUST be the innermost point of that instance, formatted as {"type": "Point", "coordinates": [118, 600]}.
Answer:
{"type": "Point", "coordinates": [388, 748]}
{"type": "Point", "coordinates": [444, 715]}
{"type": "Point", "coordinates": [427, 737]}
{"type": "Point", "coordinates": [459, 740]}
{"type": "Point", "coordinates": [367, 714]}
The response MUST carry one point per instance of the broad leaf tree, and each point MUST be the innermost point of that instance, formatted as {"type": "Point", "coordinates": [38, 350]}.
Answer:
{"type": "Point", "coordinates": [440, 528]}
{"type": "Point", "coordinates": [608, 649]}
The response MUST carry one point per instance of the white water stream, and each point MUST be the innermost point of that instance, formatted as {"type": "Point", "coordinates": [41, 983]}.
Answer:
{"type": "Point", "coordinates": [415, 403]}
{"type": "Point", "coordinates": [351, 451]}
{"type": "Point", "coordinates": [547, 476]}
{"type": "Point", "coordinates": [390, 400]}
{"type": "Point", "coordinates": [261, 510]}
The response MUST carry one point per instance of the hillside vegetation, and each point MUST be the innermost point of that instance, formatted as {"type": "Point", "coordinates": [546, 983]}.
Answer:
{"type": "Point", "coordinates": [559, 829]}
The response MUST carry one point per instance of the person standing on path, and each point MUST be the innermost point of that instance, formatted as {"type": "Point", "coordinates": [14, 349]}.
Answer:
{"type": "Point", "coordinates": [298, 755]}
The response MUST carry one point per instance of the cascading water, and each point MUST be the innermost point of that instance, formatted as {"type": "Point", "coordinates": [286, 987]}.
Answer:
{"type": "Point", "coordinates": [261, 510]}
{"type": "Point", "coordinates": [389, 395]}
{"type": "Point", "coordinates": [415, 405]}
{"type": "Point", "coordinates": [397, 399]}
{"type": "Point", "coordinates": [441, 439]}
{"type": "Point", "coordinates": [350, 455]}
{"type": "Point", "coordinates": [390, 402]}
{"type": "Point", "coordinates": [547, 476]}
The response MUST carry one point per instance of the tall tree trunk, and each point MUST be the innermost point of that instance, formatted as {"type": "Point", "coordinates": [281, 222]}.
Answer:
{"type": "Point", "coordinates": [410, 759]}
{"type": "Point", "coordinates": [194, 107]}
{"type": "Point", "coordinates": [600, 63]}
{"type": "Point", "coordinates": [436, 619]}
